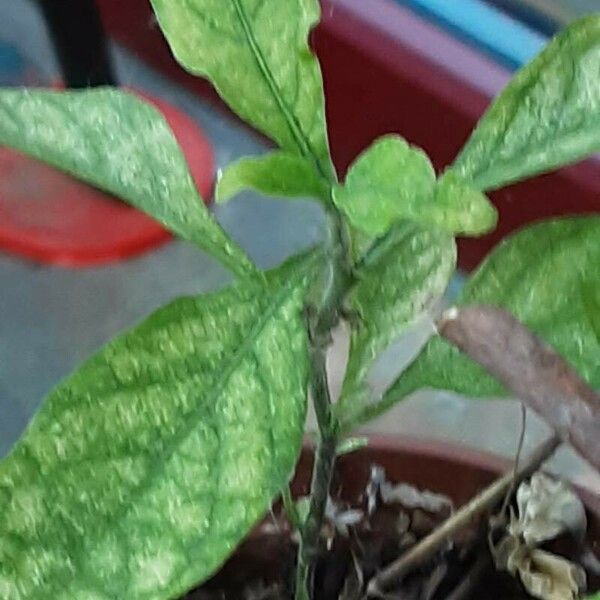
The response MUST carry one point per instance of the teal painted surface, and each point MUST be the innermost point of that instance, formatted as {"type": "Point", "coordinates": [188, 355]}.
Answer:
{"type": "Point", "coordinates": [505, 38]}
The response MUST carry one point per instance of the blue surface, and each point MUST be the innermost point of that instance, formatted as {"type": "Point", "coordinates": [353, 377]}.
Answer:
{"type": "Point", "coordinates": [505, 39]}
{"type": "Point", "coordinates": [16, 69]}
{"type": "Point", "coordinates": [11, 65]}
{"type": "Point", "coordinates": [536, 19]}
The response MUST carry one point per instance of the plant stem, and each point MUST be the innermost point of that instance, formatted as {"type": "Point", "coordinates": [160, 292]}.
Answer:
{"type": "Point", "coordinates": [311, 531]}
{"type": "Point", "coordinates": [511, 490]}
{"type": "Point", "coordinates": [323, 315]}
{"type": "Point", "coordinates": [468, 514]}
{"type": "Point", "coordinates": [289, 506]}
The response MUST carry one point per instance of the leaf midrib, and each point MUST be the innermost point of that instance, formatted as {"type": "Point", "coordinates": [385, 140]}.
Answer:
{"type": "Point", "coordinates": [206, 233]}
{"type": "Point", "coordinates": [155, 469]}
{"type": "Point", "coordinates": [234, 362]}
{"type": "Point", "coordinates": [300, 138]}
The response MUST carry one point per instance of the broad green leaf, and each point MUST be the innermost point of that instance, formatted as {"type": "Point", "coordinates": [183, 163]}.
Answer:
{"type": "Point", "coordinates": [594, 597]}
{"type": "Point", "coordinates": [590, 295]}
{"type": "Point", "coordinates": [121, 144]}
{"type": "Point", "coordinates": [392, 181]}
{"type": "Point", "coordinates": [548, 115]}
{"type": "Point", "coordinates": [406, 278]}
{"type": "Point", "coordinates": [143, 470]}
{"type": "Point", "coordinates": [256, 54]}
{"type": "Point", "coordinates": [538, 275]}
{"type": "Point", "coordinates": [274, 174]}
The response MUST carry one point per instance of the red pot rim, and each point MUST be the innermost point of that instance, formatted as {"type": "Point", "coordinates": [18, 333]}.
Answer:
{"type": "Point", "coordinates": [458, 454]}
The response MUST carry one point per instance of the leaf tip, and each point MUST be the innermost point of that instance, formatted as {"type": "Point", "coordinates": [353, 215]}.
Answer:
{"type": "Point", "coordinates": [222, 192]}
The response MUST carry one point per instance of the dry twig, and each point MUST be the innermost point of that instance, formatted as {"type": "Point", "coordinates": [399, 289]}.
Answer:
{"type": "Point", "coordinates": [530, 369]}
{"type": "Point", "coordinates": [467, 515]}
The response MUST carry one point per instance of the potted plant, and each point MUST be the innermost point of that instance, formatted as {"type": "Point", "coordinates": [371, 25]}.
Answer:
{"type": "Point", "coordinates": [144, 471]}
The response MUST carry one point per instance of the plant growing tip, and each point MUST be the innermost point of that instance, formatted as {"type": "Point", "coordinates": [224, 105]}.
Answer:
{"type": "Point", "coordinates": [145, 469]}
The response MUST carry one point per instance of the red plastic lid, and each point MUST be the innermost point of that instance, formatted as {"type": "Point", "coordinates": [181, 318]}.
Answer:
{"type": "Point", "coordinates": [50, 217]}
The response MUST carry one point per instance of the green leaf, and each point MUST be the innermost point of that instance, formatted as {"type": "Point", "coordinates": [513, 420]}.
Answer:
{"type": "Point", "coordinates": [459, 208]}
{"type": "Point", "coordinates": [121, 144]}
{"type": "Point", "coordinates": [391, 181]}
{"type": "Point", "coordinates": [351, 444]}
{"type": "Point", "coordinates": [547, 116]}
{"type": "Point", "coordinates": [275, 174]}
{"type": "Point", "coordinates": [256, 54]}
{"type": "Point", "coordinates": [537, 275]}
{"type": "Point", "coordinates": [143, 470]}
{"type": "Point", "coordinates": [590, 296]}
{"type": "Point", "coordinates": [406, 277]}
{"type": "Point", "coordinates": [383, 185]}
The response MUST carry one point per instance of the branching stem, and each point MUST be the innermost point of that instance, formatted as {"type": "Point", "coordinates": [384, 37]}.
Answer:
{"type": "Point", "coordinates": [322, 316]}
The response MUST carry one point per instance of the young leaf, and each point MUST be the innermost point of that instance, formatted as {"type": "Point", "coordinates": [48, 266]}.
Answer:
{"type": "Point", "coordinates": [391, 181]}
{"type": "Point", "coordinates": [256, 54]}
{"type": "Point", "coordinates": [383, 185]}
{"type": "Point", "coordinates": [548, 115]}
{"type": "Point", "coordinates": [536, 275]}
{"type": "Point", "coordinates": [121, 144]}
{"type": "Point", "coordinates": [459, 208]}
{"type": "Point", "coordinates": [404, 280]}
{"type": "Point", "coordinates": [274, 174]}
{"type": "Point", "coordinates": [143, 470]}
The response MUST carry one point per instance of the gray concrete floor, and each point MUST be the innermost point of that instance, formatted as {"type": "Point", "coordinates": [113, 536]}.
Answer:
{"type": "Point", "coordinates": [53, 318]}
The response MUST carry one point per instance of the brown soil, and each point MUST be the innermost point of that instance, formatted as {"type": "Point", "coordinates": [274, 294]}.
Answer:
{"type": "Point", "coordinates": [355, 546]}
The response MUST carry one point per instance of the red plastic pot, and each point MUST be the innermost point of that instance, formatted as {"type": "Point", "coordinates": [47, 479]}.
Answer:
{"type": "Point", "coordinates": [51, 217]}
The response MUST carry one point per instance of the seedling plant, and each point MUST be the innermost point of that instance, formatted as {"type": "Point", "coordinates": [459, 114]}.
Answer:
{"type": "Point", "coordinates": [143, 471]}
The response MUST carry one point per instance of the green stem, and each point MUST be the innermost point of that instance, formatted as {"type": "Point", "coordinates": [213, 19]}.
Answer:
{"type": "Point", "coordinates": [322, 317]}
{"type": "Point", "coordinates": [290, 508]}
{"type": "Point", "coordinates": [309, 545]}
